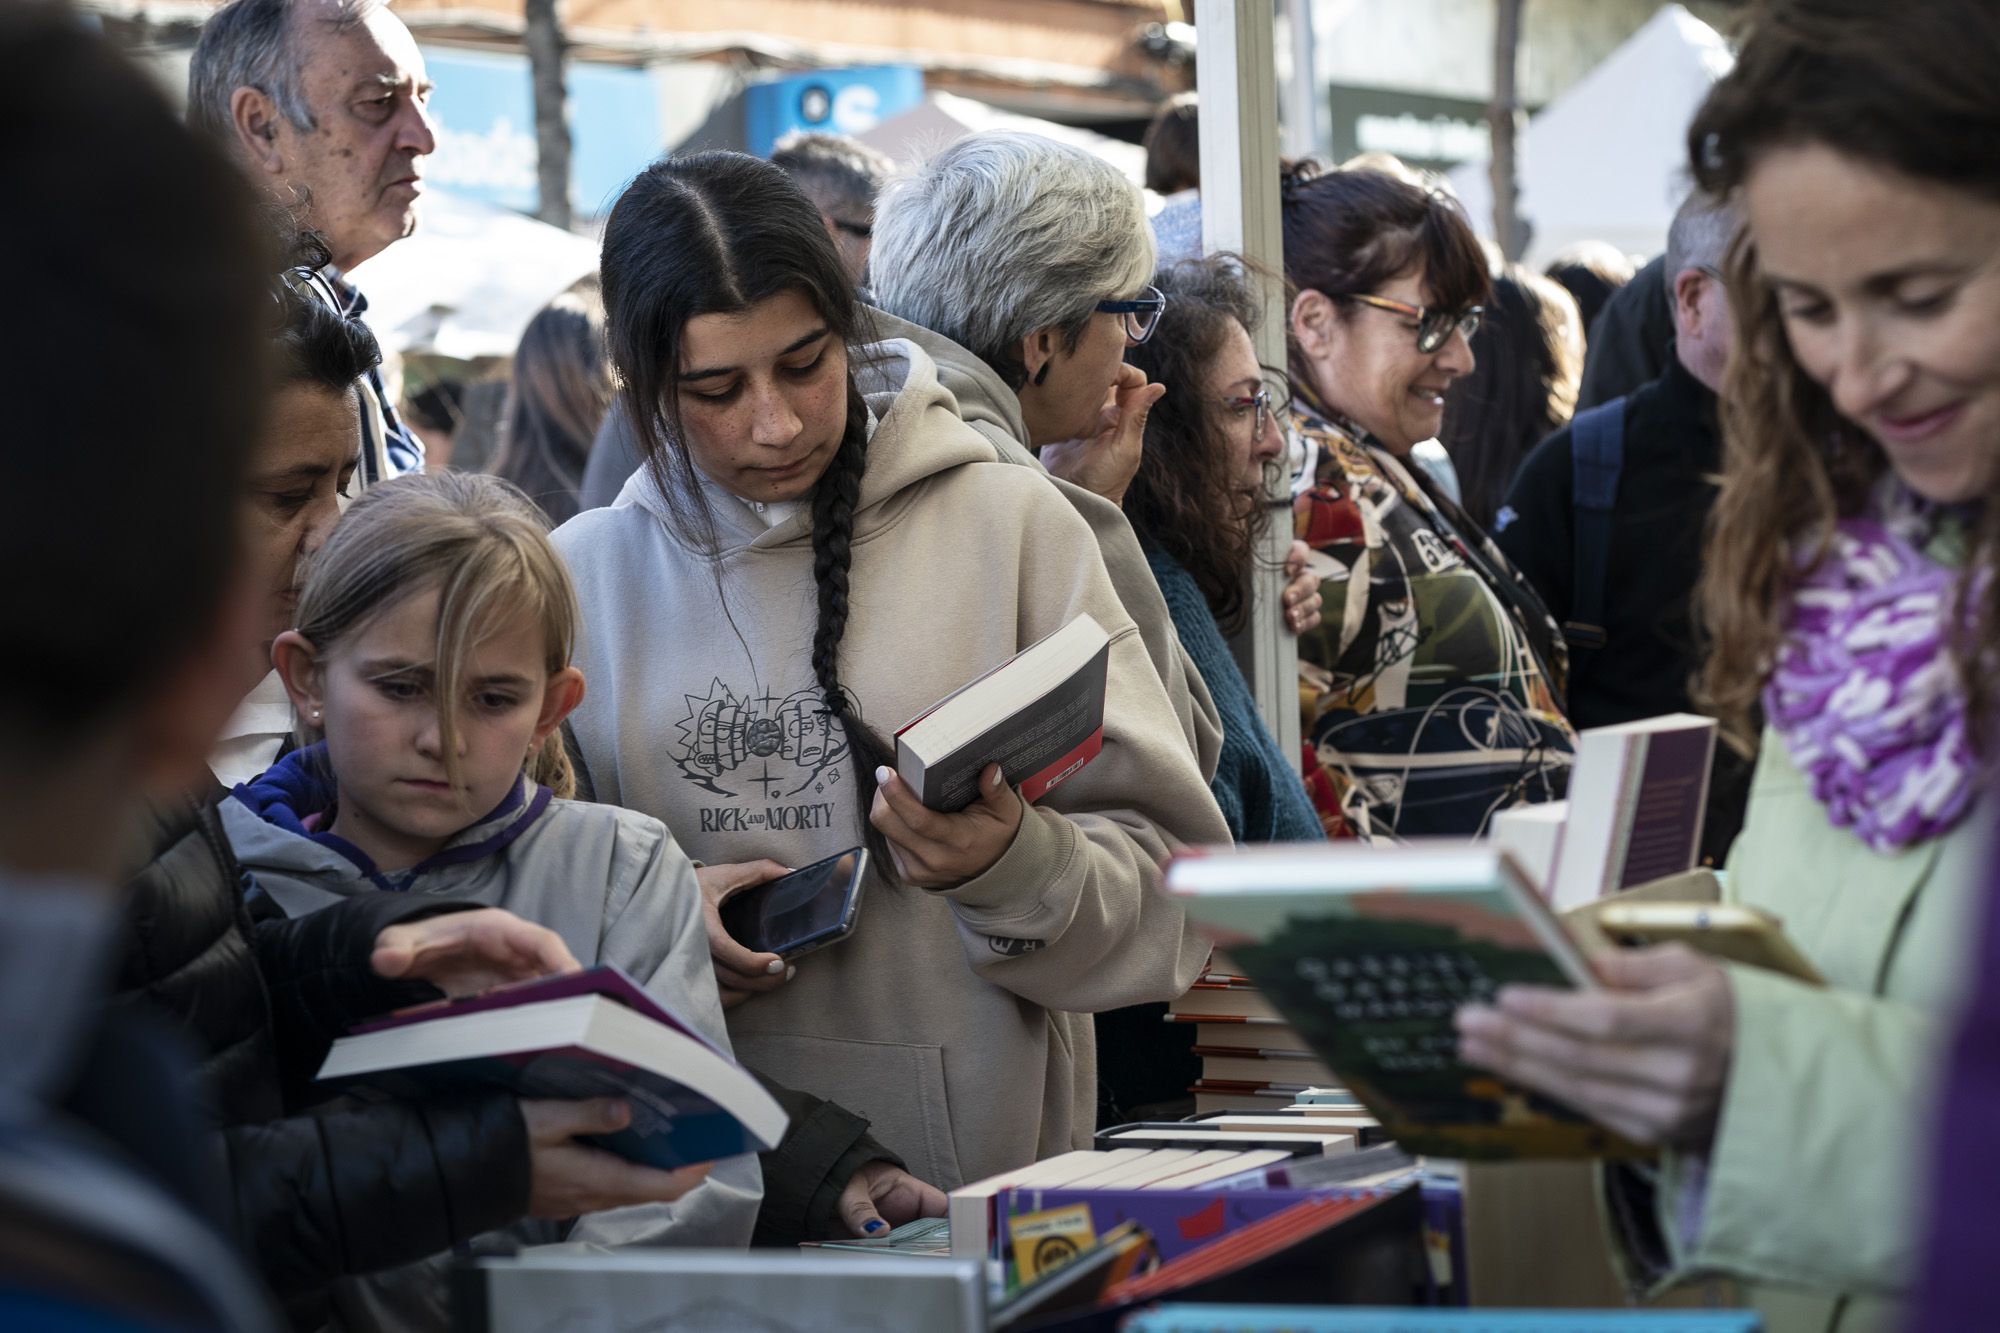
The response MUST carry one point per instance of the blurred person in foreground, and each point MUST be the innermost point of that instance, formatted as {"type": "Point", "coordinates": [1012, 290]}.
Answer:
{"type": "Point", "coordinates": [1432, 694]}
{"type": "Point", "coordinates": [1527, 357]}
{"type": "Point", "coordinates": [557, 395]}
{"type": "Point", "coordinates": [1617, 564]}
{"type": "Point", "coordinates": [841, 176]}
{"type": "Point", "coordinates": [321, 102]}
{"type": "Point", "coordinates": [1849, 588]}
{"type": "Point", "coordinates": [115, 657]}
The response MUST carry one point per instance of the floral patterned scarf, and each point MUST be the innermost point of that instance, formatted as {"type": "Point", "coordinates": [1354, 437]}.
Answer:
{"type": "Point", "coordinates": [1865, 691]}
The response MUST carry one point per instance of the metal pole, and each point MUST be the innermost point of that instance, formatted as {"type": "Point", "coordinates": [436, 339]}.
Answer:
{"type": "Point", "coordinates": [1236, 72]}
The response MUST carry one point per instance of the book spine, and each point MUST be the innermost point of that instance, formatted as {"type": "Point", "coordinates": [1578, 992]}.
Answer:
{"type": "Point", "coordinates": [1039, 784]}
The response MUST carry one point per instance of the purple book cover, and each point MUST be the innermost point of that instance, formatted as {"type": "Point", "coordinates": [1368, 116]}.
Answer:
{"type": "Point", "coordinates": [607, 980]}
{"type": "Point", "coordinates": [1665, 832]}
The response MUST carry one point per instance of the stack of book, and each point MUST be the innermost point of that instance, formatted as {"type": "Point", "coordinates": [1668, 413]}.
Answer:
{"type": "Point", "coordinates": [1250, 1059]}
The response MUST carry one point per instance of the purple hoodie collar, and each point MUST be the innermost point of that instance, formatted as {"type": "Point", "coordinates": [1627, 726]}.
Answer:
{"type": "Point", "coordinates": [301, 785]}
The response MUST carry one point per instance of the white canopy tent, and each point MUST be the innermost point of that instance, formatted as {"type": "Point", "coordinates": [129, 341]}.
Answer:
{"type": "Point", "coordinates": [1607, 160]}
{"type": "Point", "coordinates": [468, 280]}
{"type": "Point", "coordinates": [910, 136]}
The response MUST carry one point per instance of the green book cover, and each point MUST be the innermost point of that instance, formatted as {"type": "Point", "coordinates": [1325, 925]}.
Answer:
{"type": "Point", "coordinates": [1369, 951]}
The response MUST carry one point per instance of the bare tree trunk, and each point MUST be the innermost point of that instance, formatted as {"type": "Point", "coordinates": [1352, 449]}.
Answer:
{"type": "Point", "coordinates": [546, 51]}
{"type": "Point", "coordinates": [1507, 121]}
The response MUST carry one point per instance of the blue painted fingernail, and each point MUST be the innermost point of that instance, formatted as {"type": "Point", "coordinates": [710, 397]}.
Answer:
{"type": "Point", "coordinates": [873, 1226]}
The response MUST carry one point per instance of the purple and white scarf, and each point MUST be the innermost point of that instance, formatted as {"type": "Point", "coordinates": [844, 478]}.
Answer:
{"type": "Point", "coordinates": [1865, 692]}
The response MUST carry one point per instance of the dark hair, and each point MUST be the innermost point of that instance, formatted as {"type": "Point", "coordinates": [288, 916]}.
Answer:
{"type": "Point", "coordinates": [1173, 146]}
{"type": "Point", "coordinates": [556, 400]}
{"type": "Point", "coordinates": [1907, 88]}
{"type": "Point", "coordinates": [1528, 363]}
{"type": "Point", "coordinates": [439, 405]}
{"type": "Point", "coordinates": [1185, 498]}
{"type": "Point", "coordinates": [1590, 271]}
{"type": "Point", "coordinates": [717, 233]}
{"type": "Point", "coordinates": [1348, 232]}
{"type": "Point", "coordinates": [135, 399]}
{"type": "Point", "coordinates": [835, 171]}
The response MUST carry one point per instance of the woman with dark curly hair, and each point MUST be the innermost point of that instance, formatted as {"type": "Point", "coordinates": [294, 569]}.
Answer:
{"type": "Point", "coordinates": [1197, 504]}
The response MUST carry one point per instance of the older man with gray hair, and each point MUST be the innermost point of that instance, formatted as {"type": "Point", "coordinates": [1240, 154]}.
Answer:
{"type": "Point", "coordinates": [322, 103]}
{"type": "Point", "coordinates": [1606, 516]}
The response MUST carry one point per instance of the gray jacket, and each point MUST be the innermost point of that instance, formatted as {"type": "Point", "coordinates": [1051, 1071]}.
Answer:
{"type": "Point", "coordinates": [617, 888]}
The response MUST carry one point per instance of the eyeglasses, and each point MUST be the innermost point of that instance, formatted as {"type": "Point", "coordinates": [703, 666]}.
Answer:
{"type": "Point", "coordinates": [1142, 313]}
{"type": "Point", "coordinates": [1258, 402]}
{"type": "Point", "coordinates": [1433, 326]}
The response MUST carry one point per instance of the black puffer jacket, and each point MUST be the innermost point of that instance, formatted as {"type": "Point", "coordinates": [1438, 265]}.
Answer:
{"type": "Point", "coordinates": [346, 1190]}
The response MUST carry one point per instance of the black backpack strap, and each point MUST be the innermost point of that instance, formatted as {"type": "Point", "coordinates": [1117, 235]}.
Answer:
{"type": "Point", "coordinates": [1597, 455]}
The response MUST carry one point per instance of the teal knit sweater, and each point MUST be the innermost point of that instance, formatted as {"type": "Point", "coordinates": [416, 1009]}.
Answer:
{"type": "Point", "coordinates": [1261, 795]}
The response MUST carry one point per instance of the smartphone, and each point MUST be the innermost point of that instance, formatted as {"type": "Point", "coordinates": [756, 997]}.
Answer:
{"type": "Point", "coordinates": [797, 913]}
{"type": "Point", "coordinates": [1721, 930]}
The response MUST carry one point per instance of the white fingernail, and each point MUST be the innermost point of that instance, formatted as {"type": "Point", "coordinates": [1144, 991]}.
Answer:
{"type": "Point", "coordinates": [791, 972]}
{"type": "Point", "coordinates": [777, 966]}
{"type": "Point", "coordinates": [883, 774]}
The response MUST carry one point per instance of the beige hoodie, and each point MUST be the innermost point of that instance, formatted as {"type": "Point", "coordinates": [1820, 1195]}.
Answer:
{"type": "Point", "coordinates": [994, 410]}
{"type": "Point", "coordinates": [955, 1021]}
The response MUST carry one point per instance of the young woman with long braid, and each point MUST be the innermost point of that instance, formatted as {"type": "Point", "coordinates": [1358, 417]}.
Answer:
{"type": "Point", "coordinates": [801, 567]}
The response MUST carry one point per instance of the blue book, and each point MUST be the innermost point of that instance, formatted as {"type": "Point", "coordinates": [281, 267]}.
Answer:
{"type": "Point", "coordinates": [1356, 1319]}
{"type": "Point", "coordinates": [594, 1033]}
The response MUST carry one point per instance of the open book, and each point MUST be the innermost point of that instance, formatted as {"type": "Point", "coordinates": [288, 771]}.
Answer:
{"type": "Point", "coordinates": [1368, 952]}
{"type": "Point", "coordinates": [1039, 715]}
{"type": "Point", "coordinates": [594, 1033]}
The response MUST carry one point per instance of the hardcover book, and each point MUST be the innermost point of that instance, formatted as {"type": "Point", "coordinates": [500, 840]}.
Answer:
{"type": "Point", "coordinates": [1638, 795]}
{"type": "Point", "coordinates": [1039, 715]}
{"type": "Point", "coordinates": [593, 1033]}
{"type": "Point", "coordinates": [1368, 952]}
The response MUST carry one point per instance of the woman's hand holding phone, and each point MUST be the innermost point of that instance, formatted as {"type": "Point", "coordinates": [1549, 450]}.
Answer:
{"type": "Point", "coordinates": [739, 972]}
{"type": "Point", "coordinates": [934, 850]}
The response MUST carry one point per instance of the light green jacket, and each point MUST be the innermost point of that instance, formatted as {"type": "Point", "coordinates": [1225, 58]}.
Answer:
{"type": "Point", "coordinates": [1813, 1184]}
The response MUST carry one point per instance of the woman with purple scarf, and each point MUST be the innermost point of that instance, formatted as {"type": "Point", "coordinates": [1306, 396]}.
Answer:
{"type": "Point", "coordinates": [1848, 591]}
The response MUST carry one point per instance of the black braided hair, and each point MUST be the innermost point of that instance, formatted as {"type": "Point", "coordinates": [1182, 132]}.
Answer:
{"type": "Point", "coordinates": [834, 500]}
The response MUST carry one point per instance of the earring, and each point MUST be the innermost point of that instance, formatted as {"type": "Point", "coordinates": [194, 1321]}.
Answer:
{"type": "Point", "coordinates": [315, 717]}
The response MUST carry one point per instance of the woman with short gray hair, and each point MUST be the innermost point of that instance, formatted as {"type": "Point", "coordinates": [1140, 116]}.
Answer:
{"type": "Point", "coordinates": [1033, 255]}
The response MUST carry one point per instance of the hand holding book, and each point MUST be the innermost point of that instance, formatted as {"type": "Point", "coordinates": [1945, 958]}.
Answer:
{"type": "Point", "coordinates": [567, 1178]}
{"type": "Point", "coordinates": [1647, 1057]}
{"type": "Point", "coordinates": [934, 850]}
